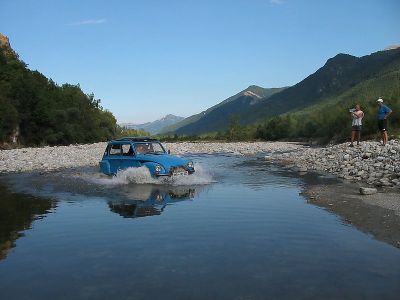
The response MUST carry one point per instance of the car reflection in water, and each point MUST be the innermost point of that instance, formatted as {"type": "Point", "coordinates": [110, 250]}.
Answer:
{"type": "Point", "coordinates": [149, 200]}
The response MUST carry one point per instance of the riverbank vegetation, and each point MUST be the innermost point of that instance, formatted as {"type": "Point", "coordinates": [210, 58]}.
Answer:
{"type": "Point", "coordinates": [34, 110]}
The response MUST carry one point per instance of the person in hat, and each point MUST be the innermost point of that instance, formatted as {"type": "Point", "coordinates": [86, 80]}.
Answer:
{"type": "Point", "coordinates": [383, 114]}
{"type": "Point", "coordinates": [356, 124]}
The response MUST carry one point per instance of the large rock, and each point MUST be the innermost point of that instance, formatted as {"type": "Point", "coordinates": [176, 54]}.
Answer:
{"type": "Point", "coordinates": [368, 191]}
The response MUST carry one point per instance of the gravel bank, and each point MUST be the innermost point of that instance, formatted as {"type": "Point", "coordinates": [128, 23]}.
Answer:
{"type": "Point", "coordinates": [59, 157]}
{"type": "Point", "coordinates": [369, 163]}
{"type": "Point", "coordinates": [377, 214]}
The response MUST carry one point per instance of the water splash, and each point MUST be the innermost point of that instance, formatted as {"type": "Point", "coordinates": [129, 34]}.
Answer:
{"type": "Point", "coordinates": [142, 175]}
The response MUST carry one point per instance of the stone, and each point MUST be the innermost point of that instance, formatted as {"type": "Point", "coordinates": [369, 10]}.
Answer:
{"type": "Point", "coordinates": [368, 191]}
{"type": "Point", "coordinates": [366, 155]}
{"type": "Point", "coordinates": [360, 173]}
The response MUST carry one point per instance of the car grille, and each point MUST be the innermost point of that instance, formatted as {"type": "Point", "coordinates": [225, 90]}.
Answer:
{"type": "Point", "coordinates": [178, 171]}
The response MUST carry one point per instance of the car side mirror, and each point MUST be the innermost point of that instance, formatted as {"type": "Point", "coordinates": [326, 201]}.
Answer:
{"type": "Point", "coordinates": [169, 151]}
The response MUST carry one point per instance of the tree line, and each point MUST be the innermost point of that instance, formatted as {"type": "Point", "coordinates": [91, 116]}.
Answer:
{"type": "Point", "coordinates": [37, 111]}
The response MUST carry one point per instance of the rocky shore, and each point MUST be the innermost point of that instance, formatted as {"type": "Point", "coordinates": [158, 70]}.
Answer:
{"type": "Point", "coordinates": [370, 162]}
{"type": "Point", "coordinates": [60, 157]}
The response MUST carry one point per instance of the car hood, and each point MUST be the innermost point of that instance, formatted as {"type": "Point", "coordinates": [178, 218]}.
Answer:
{"type": "Point", "coordinates": [166, 160]}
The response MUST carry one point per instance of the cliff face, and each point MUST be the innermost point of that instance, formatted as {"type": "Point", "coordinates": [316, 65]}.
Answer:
{"type": "Point", "coordinates": [4, 41]}
{"type": "Point", "coordinates": [5, 45]}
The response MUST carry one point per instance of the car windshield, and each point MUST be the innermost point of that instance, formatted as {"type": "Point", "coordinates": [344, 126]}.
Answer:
{"type": "Point", "coordinates": [149, 148]}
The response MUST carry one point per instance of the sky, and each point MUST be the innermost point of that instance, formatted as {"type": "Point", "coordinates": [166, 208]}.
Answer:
{"type": "Point", "coordinates": [146, 59]}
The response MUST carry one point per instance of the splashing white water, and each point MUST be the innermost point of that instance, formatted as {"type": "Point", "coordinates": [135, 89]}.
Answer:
{"type": "Point", "coordinates": [142, 175]}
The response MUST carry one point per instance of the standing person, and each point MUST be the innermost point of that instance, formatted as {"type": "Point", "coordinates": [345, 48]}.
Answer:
{"type": "Point", "coordinates": [383, 114]}
{"type": "Point", "coordinates": [357, 114]}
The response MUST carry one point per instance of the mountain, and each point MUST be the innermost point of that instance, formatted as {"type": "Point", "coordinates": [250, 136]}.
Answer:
{"type": "Point", "coordinates": [155, 126]}
{"type": "Point", "coordinates": [329, 120]}
{"type": "Point", "coordinates": [339, 74]}
{"type": "Point", "coordinates": [391, 47]}
{"type": "Point", "coordinates": [217, 117]}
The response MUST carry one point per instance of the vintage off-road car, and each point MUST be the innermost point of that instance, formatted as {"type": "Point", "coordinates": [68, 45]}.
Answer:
{"type": "Point", "coordinates": [131, 152]}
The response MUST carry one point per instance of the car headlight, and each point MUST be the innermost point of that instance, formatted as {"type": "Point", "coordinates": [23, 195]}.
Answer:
{"type": "Point", "coordinates": [158, 168]}
{"type": "Point", "coordinates": [190, 164]}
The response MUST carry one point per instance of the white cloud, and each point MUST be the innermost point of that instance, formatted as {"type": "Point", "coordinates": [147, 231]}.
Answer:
{"type": "Point", "coordinates": [88, 22]}
{"type": "Point", "coordinates": [276, 2]}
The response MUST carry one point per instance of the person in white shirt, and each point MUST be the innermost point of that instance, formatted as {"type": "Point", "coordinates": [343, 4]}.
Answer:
{"type": "Point", "coordinates": [356, 124]}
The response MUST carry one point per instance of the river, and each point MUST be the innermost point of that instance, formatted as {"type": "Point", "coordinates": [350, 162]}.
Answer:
{"type": "Point", "coordinates": [237, 229]}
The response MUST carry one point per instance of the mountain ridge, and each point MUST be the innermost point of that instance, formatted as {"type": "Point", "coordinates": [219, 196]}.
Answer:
{"type": "Point", "coordinates": [219, 113]}
{"type": "Point", "coordinates": [154, 126]}
{"type": "Point", "coordinates": [339, 74]}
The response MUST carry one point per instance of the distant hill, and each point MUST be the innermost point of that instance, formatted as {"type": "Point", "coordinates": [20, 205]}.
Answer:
{"type": "Point", "coordinates": [216, 118]}
{"type": "Point", "coordinates": [155, 126]}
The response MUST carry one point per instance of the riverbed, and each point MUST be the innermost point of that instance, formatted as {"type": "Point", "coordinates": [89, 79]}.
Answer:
{"type": "Point", "coordinates": [240, 228]}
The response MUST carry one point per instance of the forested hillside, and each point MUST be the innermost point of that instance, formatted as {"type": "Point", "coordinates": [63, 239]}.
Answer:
{"type": "Point", "coordinates": [34, 110]}
{"type": "Point", "coordinates": [338, 75]}
{"type": "Point", "coordinates": [330, 119]}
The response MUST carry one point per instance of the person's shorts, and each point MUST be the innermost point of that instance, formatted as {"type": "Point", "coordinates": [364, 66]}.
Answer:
{"type": "Point", "coordinates": [356, 128]}
{"type": "Point", "coordinates": [382, 124]}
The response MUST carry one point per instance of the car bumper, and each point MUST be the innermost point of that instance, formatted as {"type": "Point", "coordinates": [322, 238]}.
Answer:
{"type": "Point", "coordinates": [171, 174]}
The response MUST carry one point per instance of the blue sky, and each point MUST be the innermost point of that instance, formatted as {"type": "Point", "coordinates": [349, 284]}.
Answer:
{"type": "Point", "coordinates": [145, 59]}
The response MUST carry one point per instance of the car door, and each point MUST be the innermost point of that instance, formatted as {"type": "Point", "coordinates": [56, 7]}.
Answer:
{"type": "Point", "coordinates": [128, 158]}
{"type": "Point", "coordinates": [114, 157]}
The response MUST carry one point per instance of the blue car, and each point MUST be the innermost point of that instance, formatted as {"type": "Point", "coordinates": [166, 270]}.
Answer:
{"type": "Point", "coordinates": [131, 152]}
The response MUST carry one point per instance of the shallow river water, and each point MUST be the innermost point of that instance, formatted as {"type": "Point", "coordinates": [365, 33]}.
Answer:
{"type": "Point", "coordinates": [237, 229]}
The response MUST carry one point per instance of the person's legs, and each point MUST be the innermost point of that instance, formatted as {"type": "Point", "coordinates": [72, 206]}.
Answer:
{"type": "Point", "coordinates": [358, 137]}
{"type": "Point", "coordinates": [353, 136]}
{"type": "Point", "coordinates": [385, 137]}
{"type": "Point", "coordinates": [383, 128]}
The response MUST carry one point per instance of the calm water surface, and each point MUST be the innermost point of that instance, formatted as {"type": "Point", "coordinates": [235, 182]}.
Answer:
{"type": "Point", "coordinates": [238, 229]}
